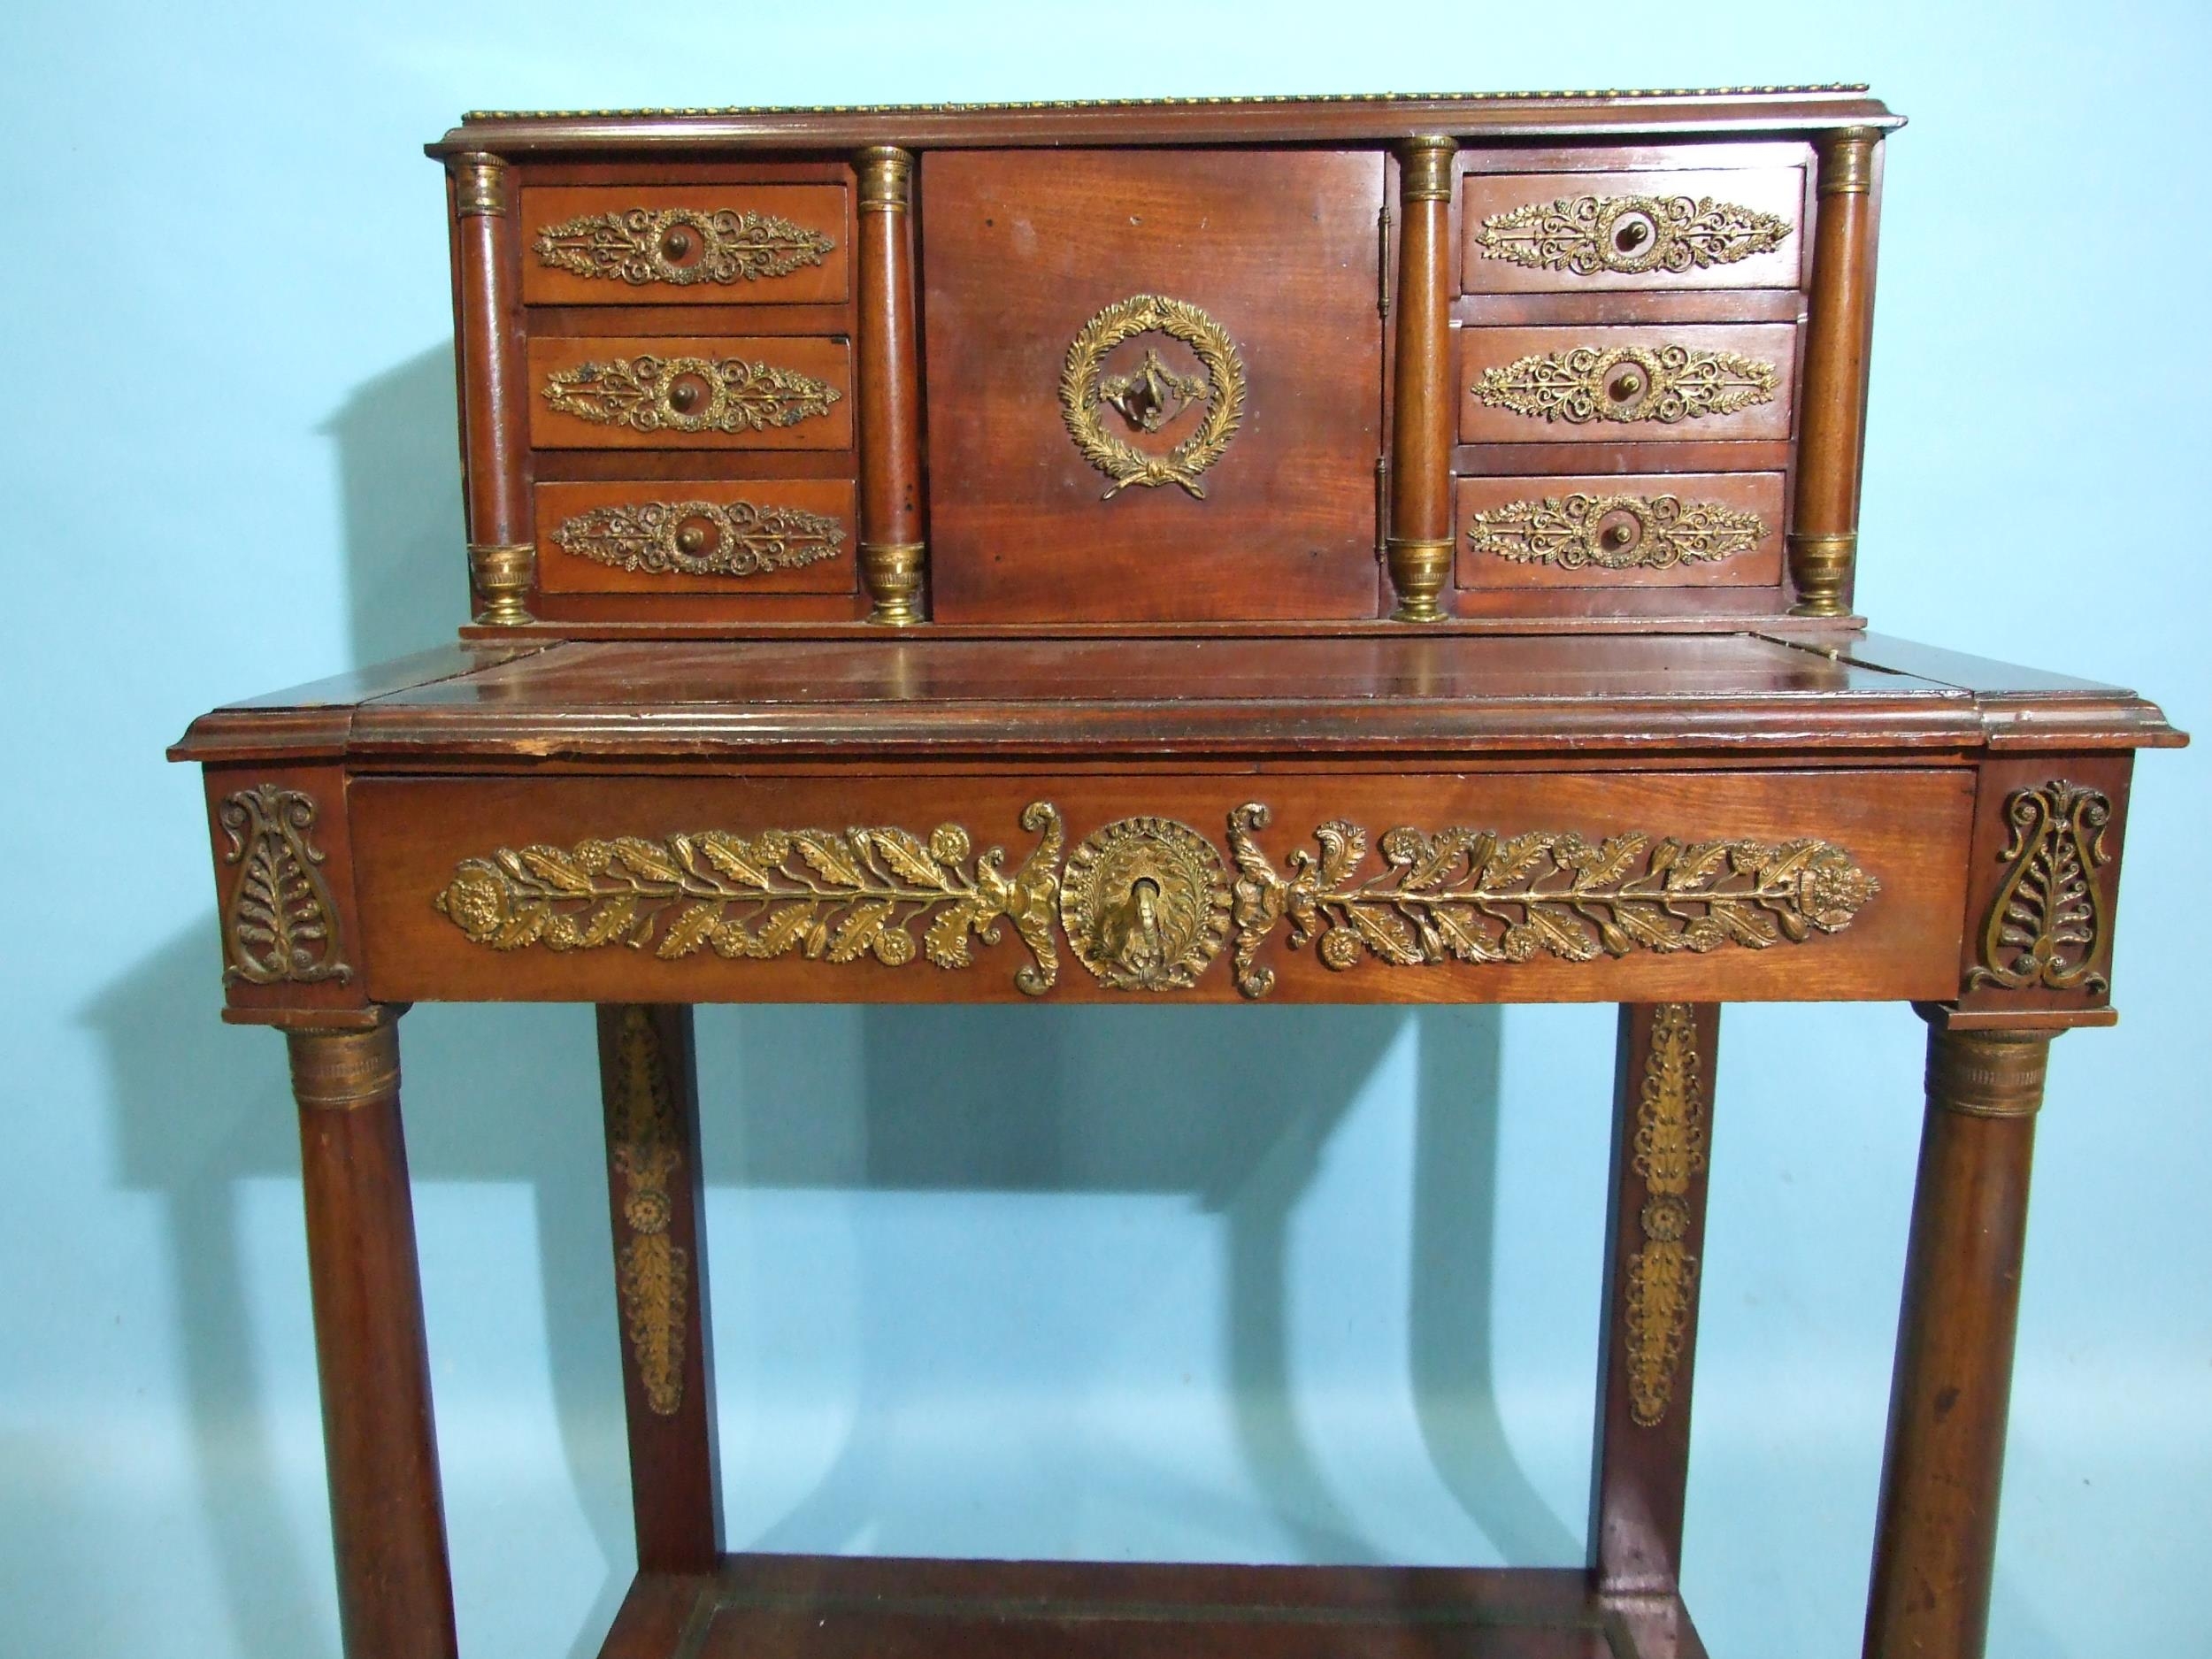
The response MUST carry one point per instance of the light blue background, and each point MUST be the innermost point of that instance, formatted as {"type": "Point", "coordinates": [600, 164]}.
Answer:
{"type": "Point", "coordinates": [1275, 1285]}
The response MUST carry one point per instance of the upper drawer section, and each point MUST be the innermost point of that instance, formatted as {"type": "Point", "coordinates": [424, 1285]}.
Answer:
{"type": "Point", "coordinates": [669, 392]}
{"type": "Point", "coordinates": [1549, 232]}
{"type": "Point", "coordinates": [740, 244]}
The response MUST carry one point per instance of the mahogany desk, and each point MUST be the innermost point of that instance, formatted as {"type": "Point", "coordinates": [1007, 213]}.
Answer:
{"type": "Point", "coordinates": [1336, 550]}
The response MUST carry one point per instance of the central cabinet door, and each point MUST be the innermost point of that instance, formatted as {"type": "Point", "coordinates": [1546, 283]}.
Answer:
{"type": "Point", "coordinates": [1155, 383]}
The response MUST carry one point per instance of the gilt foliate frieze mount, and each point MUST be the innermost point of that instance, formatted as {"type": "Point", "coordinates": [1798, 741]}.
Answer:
{"type": "Point", "coordinates": [1148, 398]}
{"type": "Point", "coordinates": [829, 896]}
{"type": "Point", "coordinates": [680, 246]}
{"type": "Point", "coordinates": [1148, 902]}
{"type": "Point", "coordinates": [689, 393]}
{"type": "Point", "coordinates": [1665, 384]}
{"type": "Point", "coordinates": [1614, 531]}
{"type": "Point", "coordinates": [280, 919]}
{"type": "Point", "coordinates": [1667, 1154]}
{"type": "Point", "coordinates": [1480, 896]}
{"type": "Point", "coordinates": [652, 1272]}
{"type": "Point", "coordinates": [1628, 235]}
{"type": "Point", "coordinates": [2049, 922]}
{"type": "Point", "coordinates": [701, 538]}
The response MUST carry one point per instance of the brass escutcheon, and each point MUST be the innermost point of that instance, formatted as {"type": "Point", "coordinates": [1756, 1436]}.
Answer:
{"type": "Point", "coordinates": [1146, 904]}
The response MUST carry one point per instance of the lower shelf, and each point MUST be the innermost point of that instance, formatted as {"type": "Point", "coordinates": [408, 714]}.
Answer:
{"type": "Point", "coordinates": [812, 1606]}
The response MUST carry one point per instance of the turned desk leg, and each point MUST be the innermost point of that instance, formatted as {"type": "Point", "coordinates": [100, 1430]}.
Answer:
{"type": "Point", "coordinates": [1937, 1545]}
{"type": "Point", "coordinates": [386, 1516]}
{"type": "Point", "coordinates": [649, 1081]}
{"type": "Point", "coordinates": [1654, 1235]}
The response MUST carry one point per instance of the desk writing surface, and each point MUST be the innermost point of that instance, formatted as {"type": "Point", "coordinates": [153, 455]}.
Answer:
{"type": "Point", "coordinates": [1465, 695]}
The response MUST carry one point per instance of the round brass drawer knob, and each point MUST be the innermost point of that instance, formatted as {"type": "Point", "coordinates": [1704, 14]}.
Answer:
{"type": "Point", "coordinates": [684, 396]}
{"type": "Point", "coordinates": [691, 539]}
{"type": "Point", "coordinates": [677, 244]}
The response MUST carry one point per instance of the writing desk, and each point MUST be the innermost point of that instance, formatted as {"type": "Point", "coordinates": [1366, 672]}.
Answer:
{"type": "Point", "coordinates": [1310, 550]}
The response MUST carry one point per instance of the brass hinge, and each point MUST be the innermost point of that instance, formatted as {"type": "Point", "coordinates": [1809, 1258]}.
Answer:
{"type": "Point", "coordinates": [1382, 262]}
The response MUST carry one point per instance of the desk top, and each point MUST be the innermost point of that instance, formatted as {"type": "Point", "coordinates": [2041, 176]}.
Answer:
{"type": "Point", "coordinates": [1462, 696]}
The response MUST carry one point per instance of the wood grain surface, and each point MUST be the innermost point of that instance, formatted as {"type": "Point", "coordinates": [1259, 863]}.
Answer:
{"type": "Point", "coordinates": [1020, 251]}
{"type": "Point", "coordinates": [1248, 699]}
{"type": "Point", "coordinates": [790, 1606]}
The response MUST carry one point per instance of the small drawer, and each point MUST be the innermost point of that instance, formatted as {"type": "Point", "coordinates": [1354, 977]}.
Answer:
{"type": "Point", "coordinates": [766, 244]}
{"type": "Point", "coordinates": [676, 538]}
{"type": "Point", "coordinates": [1551, 232]}
{"type": "Point", "coordinates": [1625, 385]}
{"type": "Point", "coordinates": [658, 392]}
{"type": "Point", "coordinates": [1653, 530]}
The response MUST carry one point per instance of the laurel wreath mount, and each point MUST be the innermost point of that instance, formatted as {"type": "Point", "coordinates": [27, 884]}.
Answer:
{"type": "Point", "coordinates": [1080, 397]}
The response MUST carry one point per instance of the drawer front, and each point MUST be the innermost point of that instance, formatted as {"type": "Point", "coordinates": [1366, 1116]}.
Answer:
{"type": "Point", "coordinates": [695, 392]}
{"type": "Point", "coordinates": [702, 245]}
{"type": "Point", "coordinates": [1564, 232]}
{"type": "Point", "coordinates": [1625, 385]}
{"type": "Point", "coordinates": [674, 538]}
{"type": "Point", "coordinates": [1281, 887]}
{"type": "Point", "coordinates": [1653, 530]}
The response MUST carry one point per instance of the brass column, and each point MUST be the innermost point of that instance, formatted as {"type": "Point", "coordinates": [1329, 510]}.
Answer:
{"type": "Point", "coordinates": [891, 553]}
{"type": "Point", "coordinates": [1824, 531]}
{"type": "Point", "coordinates": [503, 560]}
{"type": "Point", "coordinates": [1423, 402]}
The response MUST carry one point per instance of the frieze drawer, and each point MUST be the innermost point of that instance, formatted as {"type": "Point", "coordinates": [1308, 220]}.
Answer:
{"type": "Point", "coordinates": [1645, 385]}
{"type": "Point", "coordinates": [653, 392]}
{"type": "Point", "coordinates": [663, 245]}
{"type": "Point", "coordinates": [1446, 887]}
{"type": "Point", "coordinates": [1568, 232]}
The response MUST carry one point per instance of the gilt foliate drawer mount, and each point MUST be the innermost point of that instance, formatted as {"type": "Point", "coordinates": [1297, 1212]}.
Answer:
{"type": "Point", "coordinates": [1231, 551]}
